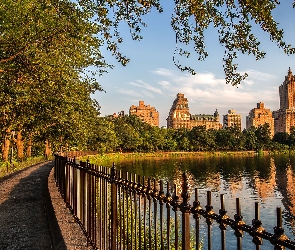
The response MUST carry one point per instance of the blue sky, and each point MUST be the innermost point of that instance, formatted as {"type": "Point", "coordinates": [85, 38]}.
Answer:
{"type": "Point", "coordinates": [152, 77]}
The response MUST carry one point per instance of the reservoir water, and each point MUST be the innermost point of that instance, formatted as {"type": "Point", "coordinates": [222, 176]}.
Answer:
{"type": "Point", "coordinates": [270, 180]}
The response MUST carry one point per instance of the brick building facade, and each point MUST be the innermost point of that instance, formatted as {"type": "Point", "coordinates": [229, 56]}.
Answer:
{"type": "Point", "coordinates": [260, 116]}
{"type": "Point", "coordinates": [180, 117]}
{"type": "Point", "coordinates": [231, 119]}
{"type": "Point", "coordinates": [146, 113]}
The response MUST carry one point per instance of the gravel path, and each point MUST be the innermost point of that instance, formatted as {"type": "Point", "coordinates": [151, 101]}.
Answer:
{"type": "Point", "coordinates": [23, 222]}
{"type": "Point", "coordinates": [27, 220]}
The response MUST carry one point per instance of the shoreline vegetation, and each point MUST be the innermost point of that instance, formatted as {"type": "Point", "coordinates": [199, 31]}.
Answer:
{"type": "Point", "coordinates": [126, 134]}
{"type": "Point", "coordinates": [101, 158]}
{"type": "Point", "coordinates": [7, 168]}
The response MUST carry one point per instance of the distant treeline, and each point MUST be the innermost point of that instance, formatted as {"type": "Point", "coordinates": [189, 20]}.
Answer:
{"type": "Point", "coordinates": [130, 134]}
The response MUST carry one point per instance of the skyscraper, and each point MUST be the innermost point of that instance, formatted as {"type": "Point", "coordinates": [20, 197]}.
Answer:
{"type": "Point", "coordinates": [284, 118]}
{"type": "Point", "coordinates": [179, 116]}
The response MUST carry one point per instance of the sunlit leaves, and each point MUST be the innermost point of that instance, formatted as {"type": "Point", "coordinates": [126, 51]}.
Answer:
{"type": "Point", "coordinates": [50, 58]}
{"type": "Point", "coordinates": [109, 15]}
{"type": "Point", "coordinates": [233, 20]}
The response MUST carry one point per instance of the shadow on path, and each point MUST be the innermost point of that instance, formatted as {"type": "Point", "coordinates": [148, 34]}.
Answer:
{"type": "Point", "coordinates": [26, 212]}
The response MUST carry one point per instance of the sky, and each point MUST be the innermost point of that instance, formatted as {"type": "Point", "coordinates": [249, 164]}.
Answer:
{"type": "Point", "coordinates": [152, 77]}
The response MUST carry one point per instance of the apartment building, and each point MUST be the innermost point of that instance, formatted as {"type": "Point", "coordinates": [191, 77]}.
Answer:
{"type": "Point", "coordinates": [259, 116]}
{"type": "Point", "coordinates": [146, 113]}
{"type": "Point", "coordinates": [180, 117]}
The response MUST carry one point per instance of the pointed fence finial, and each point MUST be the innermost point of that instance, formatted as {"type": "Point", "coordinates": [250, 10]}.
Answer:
{"type": "Point", "coordinates": [113, 173]}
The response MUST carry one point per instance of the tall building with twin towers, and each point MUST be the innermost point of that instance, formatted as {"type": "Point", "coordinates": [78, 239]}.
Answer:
{"type": "Point", "coordinates": [281, 120]}
{"type": "Point", "coordinates": [284, 118]}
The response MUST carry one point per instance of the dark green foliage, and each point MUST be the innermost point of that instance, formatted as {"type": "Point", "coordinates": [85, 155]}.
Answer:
{"type": "Point", "coordinates": [130, 134]}
{"type": "Point", "coordinates": [281, 137]}
{"type": "Point", "coordinates": [46, 51]}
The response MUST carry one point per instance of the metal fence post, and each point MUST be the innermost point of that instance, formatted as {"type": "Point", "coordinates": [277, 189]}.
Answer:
{"type": "Point", "coordinates": [238, 223]}
{"type": "Point", "coordinates": [114, 211]}
{"type": "Point", "coordinates": [185, 210]}
{"type": "Point", "coordinates": [209, 212]}
{"type": "Point", "coordinates": [279, 231]}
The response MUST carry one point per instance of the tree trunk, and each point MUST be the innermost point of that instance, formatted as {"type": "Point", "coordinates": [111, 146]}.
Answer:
{"type": "Point", "coordinates": [29, 146]}
{"type": "Point", "coordinates": [6, 145]}
{"type": "Point", "coordinates": [61, 147]}
{"type": "Point", "coordinates": [2, 146]}
{"type": "Point", "coordinates": [20, 146]}
{"type": "Point", "coordinates": [47, 149]}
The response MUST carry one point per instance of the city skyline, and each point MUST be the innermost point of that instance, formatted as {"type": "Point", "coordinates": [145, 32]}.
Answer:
{"type": "Point", "coordinates": [164, 124]}
{"type": "Point", "coordinates": [151, 75]}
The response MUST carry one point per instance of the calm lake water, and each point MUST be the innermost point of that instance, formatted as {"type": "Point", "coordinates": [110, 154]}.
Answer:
{"type": "Point", "coordinates": [267, 179]}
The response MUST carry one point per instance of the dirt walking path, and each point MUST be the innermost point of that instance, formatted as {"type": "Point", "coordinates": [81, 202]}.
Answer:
{"type": "Point", "coordinates": [23, 222]}
{"type": "Point", "coordinates": [33, 215]}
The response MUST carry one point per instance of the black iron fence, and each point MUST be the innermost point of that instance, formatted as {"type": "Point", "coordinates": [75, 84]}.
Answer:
{"type": "Point", "coordinates": [72, 154]}
{"type": "Point", "coordinates": [120, 210]}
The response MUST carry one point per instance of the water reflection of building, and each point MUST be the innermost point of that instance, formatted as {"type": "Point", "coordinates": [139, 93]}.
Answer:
{"type": "Point", "coordinates": [291, 194]}
{"type": "Point", "coordinates": [178, 181]}
{"type": "Point", "coordinates": [285, 180]}
{"type": "Point", "coordinates": [235, 185]}
{"type": "Point", "coordinates": [214, 182]}
{"type": "Point", "coordinates": [285, 183]}
{"type": "Point", "coordinates": [290, 189]}
{"type": "Point", "coordinates": [265, 186]}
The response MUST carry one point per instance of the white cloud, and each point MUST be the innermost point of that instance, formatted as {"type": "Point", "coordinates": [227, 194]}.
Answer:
{"type": "Point", "coordinates": [207, 88]}
{"type": "Point", "coordinates": [206, 92]}
{"type": "Point", "coordinates": [164, 84]}
{"type": "Point", "coordinates": [260, 76]}
{"type": "Point", "coordinates": [200, 80]}
{"type": "Point", "coordinates": [147, 93]}
{"type": "Point", "coordinates": [163, 72]}
{"type": "Point", "coordinates": [142, 84]}
{"type": "Point", "coordinates": [129, 92]}
{"type": "Point", "coordinates": [246, 81]}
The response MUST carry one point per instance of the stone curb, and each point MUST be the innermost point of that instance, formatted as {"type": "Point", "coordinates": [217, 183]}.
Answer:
{"type": "Point", "coordinates": [66, 233]}
{"type": "Point", "coordinates": [58, 242]}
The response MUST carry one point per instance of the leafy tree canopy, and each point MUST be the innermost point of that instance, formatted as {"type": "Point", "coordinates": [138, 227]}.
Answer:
{"type": "Point", "coordinates": [49, 54]}
{"type": "Point", "coordinates": [234, 21]}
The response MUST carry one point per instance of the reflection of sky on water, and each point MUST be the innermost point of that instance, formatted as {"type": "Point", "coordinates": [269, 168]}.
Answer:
{"type": "Point", "coordinates": [269, 180]}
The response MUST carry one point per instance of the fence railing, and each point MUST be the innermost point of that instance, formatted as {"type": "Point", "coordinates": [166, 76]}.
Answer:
{"type": "Point", "coordinates": [119, 210]}
{"type": "Point", "coordinates": [72, 154]}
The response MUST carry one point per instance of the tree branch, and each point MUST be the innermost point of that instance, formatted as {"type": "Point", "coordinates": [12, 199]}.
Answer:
{"type": "Point", "coordinates": [13, 56]}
